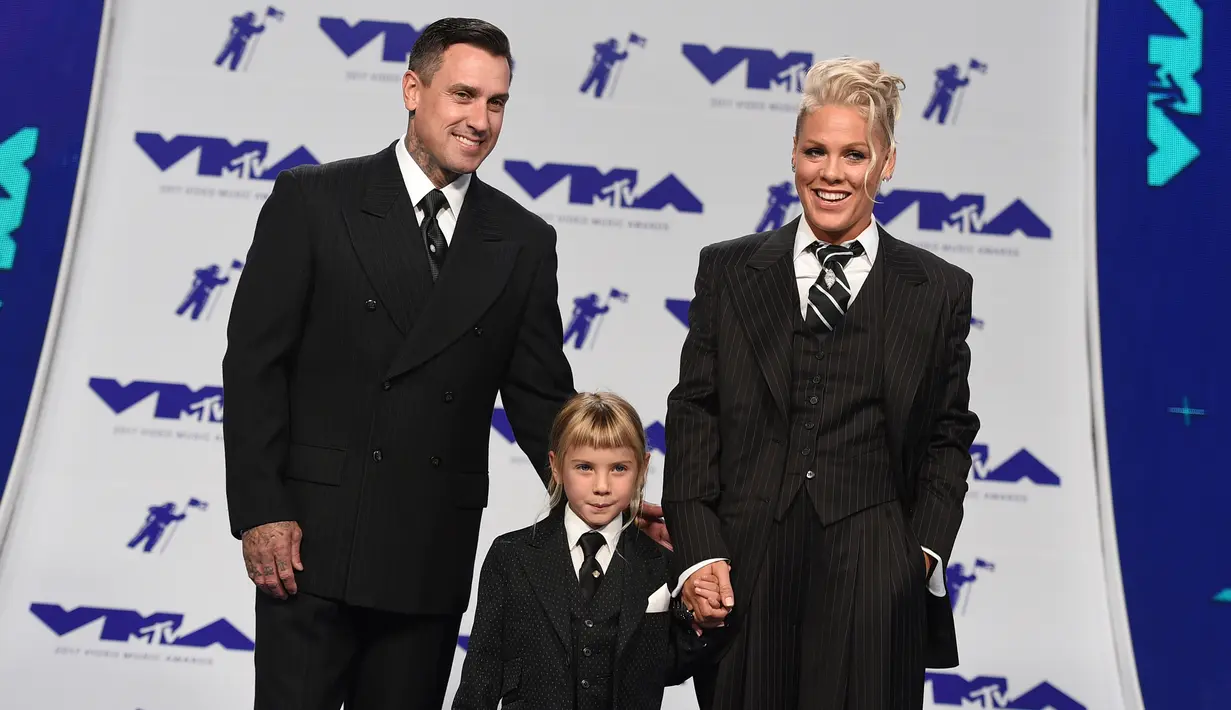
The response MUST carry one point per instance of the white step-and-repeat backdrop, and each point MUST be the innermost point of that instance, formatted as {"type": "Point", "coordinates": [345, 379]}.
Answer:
{"type": "Point", "coordinates": [120, 586]}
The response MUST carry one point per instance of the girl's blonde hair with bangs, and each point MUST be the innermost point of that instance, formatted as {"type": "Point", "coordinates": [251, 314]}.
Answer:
{"type": "Point", "coordinates": [600, 420]}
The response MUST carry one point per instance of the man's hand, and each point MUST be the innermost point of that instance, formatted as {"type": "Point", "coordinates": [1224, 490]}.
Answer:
{"type": "Point", "coordinates": [707, 593]}
{"type": "Point", "coordinates": [927, 565]}
{"type": "Point", "coordinates": [271, 553]}
{"type": "Point", "coordinates": [650, 520]}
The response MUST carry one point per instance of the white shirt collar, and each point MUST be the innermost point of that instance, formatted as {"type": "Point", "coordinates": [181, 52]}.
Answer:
{"type": "Point", "coordinates": [575, 527]}
{"type": "Point", "coordinates": [418, 184]}
{"type": "Point", "coordinates": [870, 238]}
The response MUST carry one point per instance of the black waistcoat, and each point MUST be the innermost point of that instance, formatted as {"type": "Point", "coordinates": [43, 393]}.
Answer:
{"type": "Point", "coordinates": [596, 626]}
{"type": "Point", "coordinates": [838, 452]}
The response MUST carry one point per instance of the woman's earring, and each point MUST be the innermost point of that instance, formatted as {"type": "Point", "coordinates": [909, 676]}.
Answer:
{"type": "Point", "coordinates": [792, 167]}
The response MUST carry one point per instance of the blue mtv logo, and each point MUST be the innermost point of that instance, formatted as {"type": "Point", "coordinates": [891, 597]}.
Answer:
{"type": "Point", "coordinates": [247, 160]}
{"type": "Point", "coordinates": [162, 520]}
{"type": "Point", "coordinates": [959, 580]}
{"type": "Point", "coordinates": [1174, 91]}
{"type": "Point", "coordinates": [948, 89]}
{"type": "Point", "coordinates": [589, 311]}
{"type": "Point", "coordinates": [590, 186]}
{"type": "Point", "coordinates": [242, 37]}
{"type": "Point", "coordinates": [993, 692]}
{"type": "Point", "coordinates": [128, 626]}
{"type": "Point", "coordinates": [14, 187]}
{"type": "Point", "coordinates": [678, 307]}
{"type": "Point", "coordinates": [207, 282]}
{"type": "Point", "coordinates": [500, 422]}
{"type": "Point", "coordinates": [172, 400]}
{"type": "Point", "coordinates": [765, 69]}
{"type": "Point", "coordinates": [605, 67]}
{"type": "Point", "coordinates": [399, 37]}
{"type": "Point", "coordinates": [1019, 467]}
{"type": "Point", "coordinates": [964, 214]}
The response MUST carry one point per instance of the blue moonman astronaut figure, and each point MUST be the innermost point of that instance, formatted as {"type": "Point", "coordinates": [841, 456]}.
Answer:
{"type": "Point", "coordinates": [585, 309]}
{"type": "Point", "coordinates": [948, 81]}
{"type": "Point", "coordinates": [160, 516]}
{"type": "Point", "coordinates": [243, 28]}
{"type": "Point", "coordinates": [781, 197]}
{"type": "Point", "coordinates": [203, 285]}
{"type": "Point", "coordinates": [606, 55]}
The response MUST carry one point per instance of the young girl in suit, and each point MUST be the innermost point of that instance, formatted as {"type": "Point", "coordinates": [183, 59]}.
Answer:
{"type": "Point", "coordinates": [575, 611]}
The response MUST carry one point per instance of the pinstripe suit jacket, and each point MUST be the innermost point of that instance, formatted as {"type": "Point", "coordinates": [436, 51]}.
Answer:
{"type": "Point", "coordinates": [359, 393]}
{"type": "Point", "coordinates": [728, 417]}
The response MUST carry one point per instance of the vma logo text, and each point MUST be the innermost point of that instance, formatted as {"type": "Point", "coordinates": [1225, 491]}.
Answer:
{"type": "Point", "coordinates": [243, 36]}
{"type": "Point", "coordinates": [616, 189]}
{"type": "Point", "coordinates": [766, 70]}
{"type": "Point", "coordinates": [766, 74]}
{"type": "Point", "coordinates": [589, 311]}
{"type": "Point", "coordinates": [1174, 91]}
{"type": "Point", "coordinates": [964, 214]}
{"type": "Point", "coordinates": [605, 66]}
{"type": "Point", "coordinates": [395, 40]}
{"type": "Point", "coordinates": [162, 520]}
{"type": "Point", "coordinates": [172, 400]}
{"type": "Point", "coordinates": [245, 160]}
{"type": "Point", "coordinates": [14, 187]}
{"type": "Point", "coordinates": [993, 692]}
{"type": "Point", "coordinates": [1021, 466]}
{"type": "Point", "coordinates": [131, 627]}
{"type": "Point", "coordinates": [960, 581]}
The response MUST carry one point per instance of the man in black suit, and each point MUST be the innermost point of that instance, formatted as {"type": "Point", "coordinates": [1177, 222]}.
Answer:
{"type": "Point", "coordinates": [818, 439]}
{"type": "Point", "coordinates": [385, 301]}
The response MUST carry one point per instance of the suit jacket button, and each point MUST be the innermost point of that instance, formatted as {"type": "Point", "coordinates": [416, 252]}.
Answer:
{"type": "Point", "coordinates": [370, 305]}
{"type": "Point", "coordinates": [448, 396]}
{"type": "Point", "coordinates": [435, 460]}
{"type": "Point", "coordinates": [386, 385]}
{"type": "Point", "coordinates": [377, 456]}
{"type": "Point", "coordinates": [810, 475]}
{"type": "Point", "coordinates": [478, 330]}
{"type": "Point", "coordinates": [587, 651]}
{"type": "Point", "coordinates": [585, 683]}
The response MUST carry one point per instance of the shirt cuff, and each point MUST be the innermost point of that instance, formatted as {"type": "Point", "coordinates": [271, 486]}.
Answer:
{"type": "Point", "coordinates": [936, 582]}
{"type": "Point", "coordinates": [679, 585]}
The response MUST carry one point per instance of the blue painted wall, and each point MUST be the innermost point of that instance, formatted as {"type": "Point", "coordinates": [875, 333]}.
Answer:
{"type": "Point", "coordinates": [47, 52]}
{"type": "Point", "coordinates": [1164, 279]}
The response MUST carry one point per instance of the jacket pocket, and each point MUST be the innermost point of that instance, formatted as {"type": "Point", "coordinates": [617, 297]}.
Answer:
{"type": "Point", "coordinates": [511, 681]}
{"type": "Point", "coordinates": [468, 490]}
{"type": "Point", "coordinates": [315, 464]}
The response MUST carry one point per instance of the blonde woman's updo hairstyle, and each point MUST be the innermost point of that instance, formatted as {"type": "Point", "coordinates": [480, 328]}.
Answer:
{"type": "Point", "coordinates": [861, 84]}
{"type": "Point", "coordinates": [600, 420]}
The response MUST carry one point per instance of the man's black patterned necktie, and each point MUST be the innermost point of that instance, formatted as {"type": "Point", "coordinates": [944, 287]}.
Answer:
{"type": "Point", "coordinates": [433, 237]}
{"type": "Point", "coordinates": [591, 573]}
{"type": "Point", "coordinates": [830, 295]}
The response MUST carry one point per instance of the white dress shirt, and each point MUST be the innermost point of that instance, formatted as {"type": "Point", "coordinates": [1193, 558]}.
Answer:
{"type": "Point", "coordinates": [575, 527]}
{"type": "Point", "coordinates": [418, 185]}
{"type": "Point", "coordinates": [807, 270]}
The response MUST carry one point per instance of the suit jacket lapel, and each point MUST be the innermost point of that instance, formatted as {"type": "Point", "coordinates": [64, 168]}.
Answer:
{"type": "Point", "coordinates": [639, 584]}
{"type": "Point", "coordinates": [476, 269]}
{"type": "Point", "coordinates": [550, 569]}
{"type": "Point", "coordinates": [383, 231]}
{"type": "Point", "coordinates": [910, 329]}
{"type": "Point", "coordinates": [766, 299]}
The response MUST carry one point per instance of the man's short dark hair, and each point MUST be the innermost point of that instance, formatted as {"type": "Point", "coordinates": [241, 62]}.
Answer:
{"type": "Point", "coordinates": [425, 56]}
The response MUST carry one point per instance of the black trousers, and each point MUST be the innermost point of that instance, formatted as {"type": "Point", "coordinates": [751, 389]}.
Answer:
{"type": "Point", "coordinates": [836, 620]}
{"type": "Point", "coordinates": [316, 654]}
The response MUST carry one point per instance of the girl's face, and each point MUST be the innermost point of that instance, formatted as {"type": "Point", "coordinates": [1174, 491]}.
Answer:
{"type": "Point", "coordinates": [599, 483]}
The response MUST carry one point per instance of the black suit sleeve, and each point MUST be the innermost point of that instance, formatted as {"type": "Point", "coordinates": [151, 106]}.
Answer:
{"type": "Point", "coordinates": [483, 670]}
{"type": "Point", "coordinates": [691, 483]}
{"type": "Point", "coordinates": [941, 485]}
{"type": "Point", "coordinates": [539, 378]}
{"type": "Point", "coordinates": [265, 325]}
